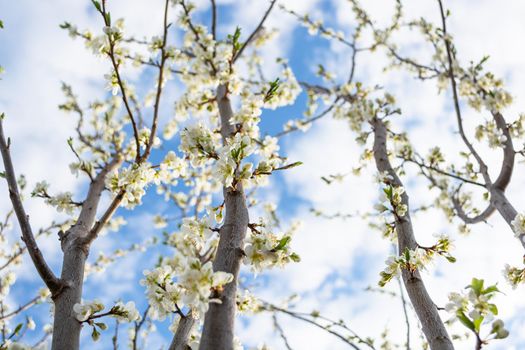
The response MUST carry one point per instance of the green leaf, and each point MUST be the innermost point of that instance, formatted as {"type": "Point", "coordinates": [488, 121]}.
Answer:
{"type": "Point", "coordinates": [493, 308]}
{"type": "Point", "coordinates": [477, 286]}
{"type": "Point", "coordinates": [108, 19]}
{"type": "Point", "coordinates": [1, 24]}
{"type": "Point", "coordinates": [18, 328]}
{"type": "Point", "coordinates": [381, 208]}
{"type": "Point", "coordinates": [479, 66]}
{"type": "Point", "coordinates": [97, 5]}
{"type": "Point", "coordinates": [465, 320]}
{"type": "Point", "coordinates": [282, 243]}
{"type": "Point", "coordinates": [234, 39]}
{"type": "Point", "coordinates": [2, 174]}
{"type": "Point", "coordinates": [326, 180]}
{"type": "Point", "coordinates": [95, 335]}
{"type": "Point", "coordinates": [450, 258]}
{"type": "Point", "coordinates": [274, 86]}
{"type": "Point", "coordinates": [490, 289]}
{"type": "Point", "coordinates": [407, 254]}
{"type": "Point", "coordinates": [289, 166]}
{"type": "Point", "coordinates": [477, 323]}
{"type": "Point", "coordinates": [295, 257]}
{"type": "Point", "coordinates": [101, 325]}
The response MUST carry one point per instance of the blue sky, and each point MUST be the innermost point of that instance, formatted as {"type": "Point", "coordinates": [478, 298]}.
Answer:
{"type": "Point", "coordinates": [340, 258]}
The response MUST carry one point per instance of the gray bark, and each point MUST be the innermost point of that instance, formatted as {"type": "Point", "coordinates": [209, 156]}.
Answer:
{"type": "Point", "coordinates": [75, 245]}
{"type": "Point", "coordinates": [426, 310]}
{"type": "Point", "coordinates": [66, 328]}
{"type": "Point", "coordinates": [220, 318]}
{"type": "Point", "coordinates": [180, 340]}
{"type": "Point", "coordinates": [499, 200]}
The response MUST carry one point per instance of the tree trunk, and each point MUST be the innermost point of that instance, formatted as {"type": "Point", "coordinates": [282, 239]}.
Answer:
{"type": "Point", "coordinates": [66, 328]}
{"type": "Point", "coordinates": [75, 245]}
{"type": "Point", "coordinates": [218, 331]}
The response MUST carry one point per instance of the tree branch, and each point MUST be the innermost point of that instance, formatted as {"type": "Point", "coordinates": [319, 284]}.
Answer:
{"type": "Point", "coordinates": [116, 65]}
{"type": "Point", "coordinates": [45, 272]}
{"type": "Point", "coordinates": [180, 340]}
{"type": "Point", "coordinates": [482, 166]}
{"type": "Point", "coordinates": [507, 165]}
{"type": "Point", "coordinates": [88, 211]}
{"type": "Point", "coordinates": [442, 172]}
{"type": "Point", "coordinates": [160, 82]}
{"type": "Point", "coordinates": [482, 217]}
{"type": "Point", "coordinates": [138, 326]}
{"type": "Point", "coordinates": [432, 325]}
{"type": "Point", "coordinates": [20, 309]}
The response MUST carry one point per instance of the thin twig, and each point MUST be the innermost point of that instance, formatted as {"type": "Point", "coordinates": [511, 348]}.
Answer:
{"type": "Point", "coordinates": [255, 31]}
{"type": "Point", "coordinates": [156, 107]}
{"type": "Point", "coordinates": [114, 340]}
{"type": "Point", "coordinates": [405, 311]}
{"type": "Point", "coordinates": [302, 318]}
{"type": "Point", "coordinates": [281, 331]}
{"type": "Point", "coordinates": [214, 19]}
{"type": "Point", "coordinates": [20, 309]}
{"type": "Point", "coordinates": [138, 326]}
{"type": "Point", "coordinates": [120, 82]}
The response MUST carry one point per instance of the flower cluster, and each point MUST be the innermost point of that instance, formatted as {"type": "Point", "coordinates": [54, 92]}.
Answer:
{"type": "Point", "coordinates": [483, 90]}
{"type": "Point", "coordinates": [413, 260]}
{"type": "Point", "coordinates": [132, 182]}
{"type": "Point", "coordinates": [90, 311]}
{"type": "Point", "coordinates": [474, 308]}
{"type": "Point", "coordinates": [248, 303]}
{"type": "Point", "coordinates": [365, 104]}
{"type": "Point", "coordinates": [63, 202]}
{"type": "Point", "coordinates": [125, 312]}
{"type": "Point", "coordinates": [514, 275]}
{"type": "Point", "coordinates": [265, 249]}
{"type": "Point", "coordinates": [6, 282]}
{"type": "Point", "coordinates": [229, 167]}
{"type": "Point", "coordinates": [494, 135]}
{"type": "Point", "coordinates": [188, 278]}
{"type": "Point", "coordinates": [410, 260]}
{"type": "Point", "coordinates": [83, 311]}
{"type": "Point", "coordinates": [193, 287]}
{"type": "Point", "coordinates": [199, 143]}
{"type": "Point", "coordinates": [392, 201]}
